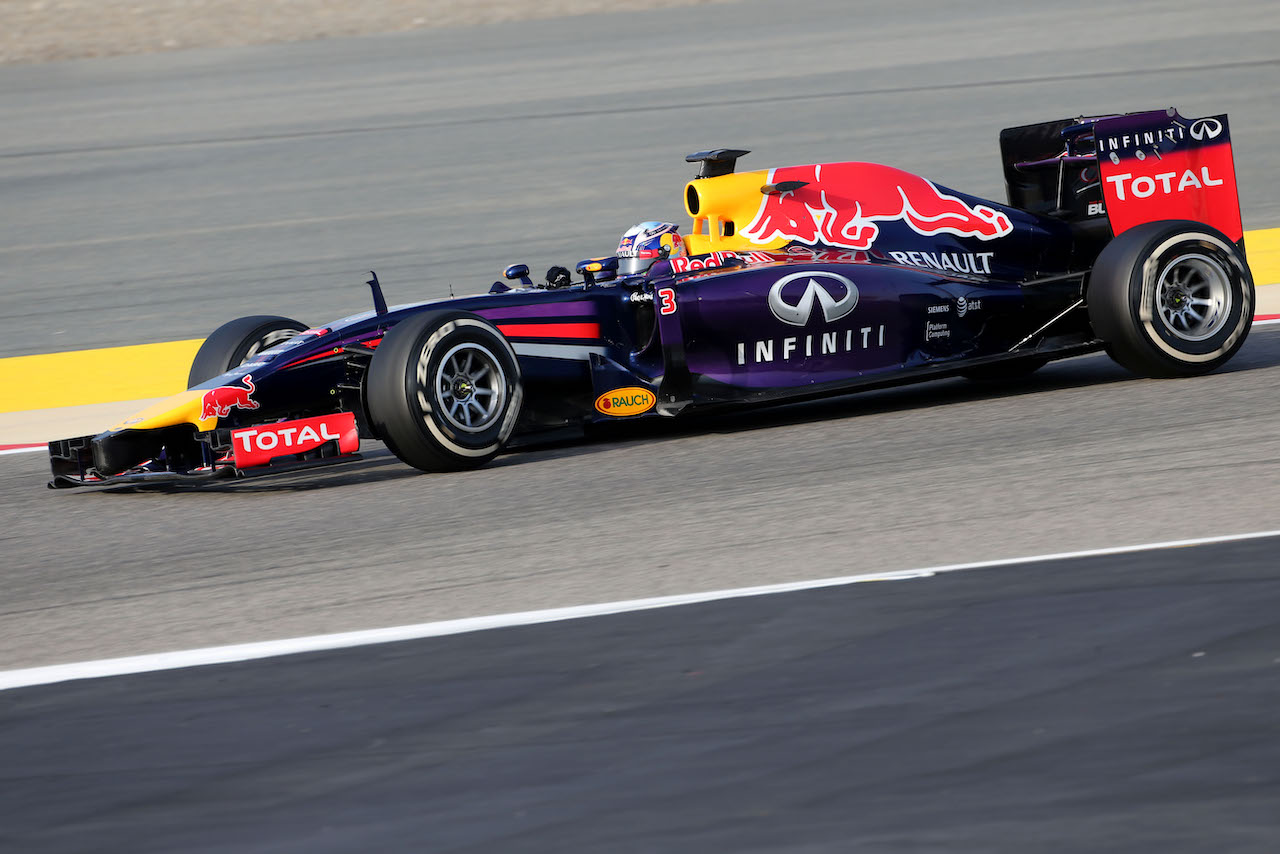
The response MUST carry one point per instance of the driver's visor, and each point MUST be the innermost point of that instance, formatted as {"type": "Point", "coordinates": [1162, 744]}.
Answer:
{"type": "Point", "coordinates": [634, 266]}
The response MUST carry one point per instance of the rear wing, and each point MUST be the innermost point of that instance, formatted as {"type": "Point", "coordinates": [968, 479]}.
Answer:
{"type": "Point", "coordinates": [1124, 170]}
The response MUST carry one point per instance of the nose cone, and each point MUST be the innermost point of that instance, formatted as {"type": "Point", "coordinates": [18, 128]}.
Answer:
{"type": "Point", "coordinates": [182, 408]}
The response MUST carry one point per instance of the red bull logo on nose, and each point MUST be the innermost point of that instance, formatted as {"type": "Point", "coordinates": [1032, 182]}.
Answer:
{"type": "Point", "coordinates": [218, 402]}
{"type": "Point", "coordinates": [842, 204]}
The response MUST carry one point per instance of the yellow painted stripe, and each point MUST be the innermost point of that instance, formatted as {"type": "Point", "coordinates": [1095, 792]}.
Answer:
{"type": "Point", "coordinates": [113, 374]}
{"type": "Point", "coordinates": [1263, 249]}
{"type": "Point", "coordinates": [95, 376]}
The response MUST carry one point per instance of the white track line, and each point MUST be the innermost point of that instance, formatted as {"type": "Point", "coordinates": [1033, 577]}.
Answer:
{"type": "Point", "coordinates": [292, 646]}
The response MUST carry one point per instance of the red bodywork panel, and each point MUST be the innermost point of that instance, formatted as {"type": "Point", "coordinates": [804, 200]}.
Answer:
{"type": "Point", "coordinates": [258, 446]}
{"type": "Point", "coordinates": [1159, 165]}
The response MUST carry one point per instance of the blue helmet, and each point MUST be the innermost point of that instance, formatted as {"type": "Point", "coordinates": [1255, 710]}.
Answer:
{"type": "Point", "coordinates": [645, 243]}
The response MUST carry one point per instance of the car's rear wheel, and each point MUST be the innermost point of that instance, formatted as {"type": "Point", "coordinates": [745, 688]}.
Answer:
{"type": "Point", "coordinates": [1171, 299]}
{"type": "Point", "coordinates": [444, 391]}
{"type": "Point", "coordinates": [238, 341]}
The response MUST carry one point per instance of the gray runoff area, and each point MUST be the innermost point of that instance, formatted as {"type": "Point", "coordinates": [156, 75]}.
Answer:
{"type": "Point", "coordinates": [1104, 704]}
{"type": "Point", "coordinates": [152, 198]}
{"type": "Point", "coordinates": [285, 172]}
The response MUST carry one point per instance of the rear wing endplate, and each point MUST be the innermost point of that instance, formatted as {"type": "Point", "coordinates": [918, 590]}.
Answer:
{"type": "Point", "coordinates": [1159, 165]}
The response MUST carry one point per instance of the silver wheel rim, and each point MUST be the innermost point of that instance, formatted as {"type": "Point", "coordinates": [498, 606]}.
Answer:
{"type": "Point", "coordinates": [471, 387]}
{"type": "Point", "coordinates": [1193, 297]}
{"type": "Point", "coordinates": [266, 342]}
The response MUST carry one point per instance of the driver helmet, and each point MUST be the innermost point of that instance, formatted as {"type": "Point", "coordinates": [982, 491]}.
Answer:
{"type": "Point", "coordinates": [644, 243]}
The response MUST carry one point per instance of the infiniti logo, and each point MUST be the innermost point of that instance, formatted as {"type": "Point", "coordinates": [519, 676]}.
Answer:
{"type": "Point", "coordinates": [1202, 128]}
{"type": "Point", "coordinates": [818, 287]}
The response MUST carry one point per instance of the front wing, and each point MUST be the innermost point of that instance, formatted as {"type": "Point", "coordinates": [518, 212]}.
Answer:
{"type": "Point", "coordinates": [216, 454]}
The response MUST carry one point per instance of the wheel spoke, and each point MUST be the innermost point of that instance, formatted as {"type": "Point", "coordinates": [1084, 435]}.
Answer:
{"type": "Point", "coordinates": [1194, 295]}
{"type": "Point", "coordinates": [470, 390]}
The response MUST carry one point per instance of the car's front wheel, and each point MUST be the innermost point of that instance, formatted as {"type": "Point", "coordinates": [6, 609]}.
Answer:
{"type": "Point", "coordinates": [444, 390]}
{"type": "Point", "coordinates": [238, 341]}
{"type": "Point", "coordinates": [1171, 299]}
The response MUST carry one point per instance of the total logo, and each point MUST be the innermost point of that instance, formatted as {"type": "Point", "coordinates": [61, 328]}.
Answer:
{"type": "Point", "coordinates": [622, 402]}
{"type": "Point", "coordinates": [255, 446]}
{"type": "Point", "coordinates": [1145, 186]}
{"type": "Point", "coordinates": [834, 293]}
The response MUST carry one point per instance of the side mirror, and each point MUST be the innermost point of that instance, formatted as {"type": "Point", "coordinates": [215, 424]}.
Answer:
{"type": "Point", "coordinates": [598, 269]}
{"type": "Point", "coordinates": [518, 271]}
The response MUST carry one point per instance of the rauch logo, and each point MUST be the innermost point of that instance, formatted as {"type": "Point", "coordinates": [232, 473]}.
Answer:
{"type": "Point", "coordinates": [625, 401]}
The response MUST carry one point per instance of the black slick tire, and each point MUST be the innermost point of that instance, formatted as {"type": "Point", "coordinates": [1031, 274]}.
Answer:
{"type": "Point", "coordinates": [235, 342]}
{"type": "Point", "coordinates": [1171, 299]}
{"type": "Point", "coordinates": [444, 390]}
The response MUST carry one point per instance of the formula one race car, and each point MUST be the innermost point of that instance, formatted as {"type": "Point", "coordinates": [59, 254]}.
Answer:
{"type": "Point", "coordinates": [1122, 233]}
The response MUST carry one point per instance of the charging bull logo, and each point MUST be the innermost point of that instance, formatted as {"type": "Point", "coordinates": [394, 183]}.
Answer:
{"type": "Point", "coordinates": [218, 402]}
{"type": "Point", "coordinates": [840, 204]}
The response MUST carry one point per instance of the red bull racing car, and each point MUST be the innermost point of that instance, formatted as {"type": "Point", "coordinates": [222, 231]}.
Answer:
{"type": "Point", "coordinates": [1120, 232]}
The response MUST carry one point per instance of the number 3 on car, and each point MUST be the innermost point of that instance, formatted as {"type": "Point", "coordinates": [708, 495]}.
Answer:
{"type": "Point", "coordinates": [666, 301]}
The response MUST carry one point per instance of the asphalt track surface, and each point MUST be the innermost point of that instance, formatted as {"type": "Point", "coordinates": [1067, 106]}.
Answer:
{"type": "Point", "coordinates": [1107, 704]}
{"type": "Point", "coordinates": [1080, 456]}
{"type": "Point", "coordinates": [151, 198]}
